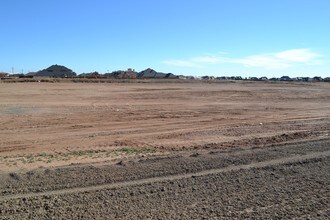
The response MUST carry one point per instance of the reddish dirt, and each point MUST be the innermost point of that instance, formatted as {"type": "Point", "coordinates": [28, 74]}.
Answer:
{"type": "Point", "coordinates": [52, 124]}
{"type": "Point", "coordinates": [187, 150]}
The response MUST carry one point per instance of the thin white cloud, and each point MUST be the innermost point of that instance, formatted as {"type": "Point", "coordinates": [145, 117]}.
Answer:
{"type": "Point", "coordinates": [297, 55]}
{"type": "Point", "coordinates": [279, 60]}
{"type": "Point", "coordinates": [264, 61]}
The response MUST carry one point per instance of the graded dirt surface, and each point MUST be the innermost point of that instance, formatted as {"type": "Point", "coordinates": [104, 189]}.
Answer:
{"type": "Point", "coordinates": [154, 150]}
{"type": "Point", "coordinates": [284, 181]}
{"type": "Point", "coordinates": [52, 124]}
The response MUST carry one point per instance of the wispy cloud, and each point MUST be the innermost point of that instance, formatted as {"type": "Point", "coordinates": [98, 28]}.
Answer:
{"type": "Point", "coordinates": [297, 55]}
{"type": "Point", "coordinates": [279, 60]}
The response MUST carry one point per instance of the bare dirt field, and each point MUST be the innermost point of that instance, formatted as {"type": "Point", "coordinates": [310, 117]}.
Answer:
{"type": "Point", "coordinates": [164, 150]}
{"type": "Point", "coordinates": [279, 182]}
{"type": "Point", "coordinates": [50, 124]}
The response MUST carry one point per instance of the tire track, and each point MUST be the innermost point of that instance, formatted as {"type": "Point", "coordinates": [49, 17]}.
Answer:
{"type": "Point", "coordinates": [282, 161]}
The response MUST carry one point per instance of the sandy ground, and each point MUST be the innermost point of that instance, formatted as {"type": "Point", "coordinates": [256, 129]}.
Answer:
{"type": "Point", "coordinates": [52, 124]}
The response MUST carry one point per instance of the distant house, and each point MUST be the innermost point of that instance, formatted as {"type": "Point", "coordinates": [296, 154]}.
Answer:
{"type": "Point", "coordinates": [19, 76]}
{"type": "Point", "coordinates": [317, 79]}
{"type": "Point", "coordinates": [56, 71]}
{"type": "Point", "coordinates": [129, 74]}
{"type": "Point", "coordinates": [264, 78]}
{"type": "Point", "coordinates": [206, 77]}
{"type": "Point", "coordinates": [92, 75]}
{"type": "Point", "coordinates": [285, 78]}
{"type": "Point", "coordinates": [326, 79]}
{"type": "Point", "coordinates": [25, 76]}
{"type": "Point", "coordinates": [254, 78]}
{"type": "Point", "coordinates": [184, 77]}
{"type": "Point", "coordinates": [31, 74]}
{"type": "Point", "coordinates": [2, 75]}
{"type": "Point", "coordinates": [223, 78]}
{"type": "Point", "coordinates": [121, 74]}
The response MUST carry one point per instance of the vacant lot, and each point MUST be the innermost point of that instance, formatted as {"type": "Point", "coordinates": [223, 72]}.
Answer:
{"type": "Point", "coordinates": [51, 124]}
{"type": "Point", "coordinates": [164, 150]}
{"type": "Point", "coordinates": [285, 181]}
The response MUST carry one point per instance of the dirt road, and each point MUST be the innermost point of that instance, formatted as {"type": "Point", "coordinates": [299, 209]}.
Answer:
{"type": "Point", "coordinates": [285, 181]}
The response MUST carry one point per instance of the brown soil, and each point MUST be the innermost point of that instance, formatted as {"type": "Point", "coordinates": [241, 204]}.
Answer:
{"type": "Point", "coordinates": [164, 149]}
{"type": "Point", "coordinates": [52, 124]}
{"type": "Point", "coordinates": [284, 181]}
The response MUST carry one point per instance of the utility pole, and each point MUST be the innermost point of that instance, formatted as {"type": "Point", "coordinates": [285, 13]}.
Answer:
{"type": "Point", "coordinates": [12, 70]}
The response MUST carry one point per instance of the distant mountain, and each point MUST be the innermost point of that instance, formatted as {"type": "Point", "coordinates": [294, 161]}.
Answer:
{"type": "Point", "coordinates": [150, 73]}
{"type": "Point", "coordinates": [145, 74]}
{"type": "Point", "coordinates": [55, 71]}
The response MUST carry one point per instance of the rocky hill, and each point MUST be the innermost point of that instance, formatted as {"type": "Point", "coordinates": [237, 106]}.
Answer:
{"type": "Point", "coordinates": [150, 73]}
{"type": "Point", "coordinates": [56, 71]}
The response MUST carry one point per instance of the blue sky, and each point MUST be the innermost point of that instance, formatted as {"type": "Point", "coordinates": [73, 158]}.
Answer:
{"type": "Point", "coordinates": [191, 37]}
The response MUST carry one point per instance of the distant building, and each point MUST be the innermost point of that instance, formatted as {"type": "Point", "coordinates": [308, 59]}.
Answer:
{"type": "Point", "coordinates": [92, 75]}
{"type": "Point", "coordinates": [317, 79]}
{"type": "Point", "coordinates": [285, 78]}
{"type": "Point", "coordinates": [121, 74]}
{"type": "Point", "coordinates": [254, 78]}
{"type": "Point", "coordinates": [223, 78]}
{"type": "Point", "coordinates": [2, 74]}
